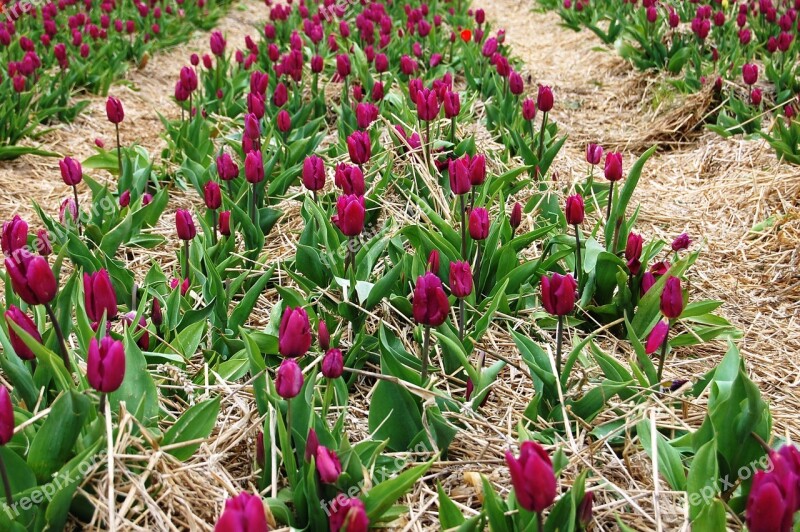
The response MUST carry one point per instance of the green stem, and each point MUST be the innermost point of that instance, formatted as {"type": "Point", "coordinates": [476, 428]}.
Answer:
{"type": "Point", "coordinates": [428, 145]}
{"type": "Point", "coordinates": [119, 152]}
{"type": "Point", "coordinates": [214, 223]}
{"type": "Point", "coordinates": [185, 259]}
{"type": "Point", "coordinates": [326, 402]}
{"type": "Point", "coordinates": [463, 227]}
{"type": "Point", "coordinates": [453, 132]}
{"type": "Point", "coordinates": [477, 273]}
{"type": "Point", "coordinates": [541, 140]}
{"type": "Point", "coordinates": [610, 202]}
{"type": "Point", "coordinates": [577, 257]}
{"type": "Point", "coordinates": [663, 355]}
{"type": "Point", "coordinates": [426, 340]}
{"type": "Point", "coordinates": [77, 209]}
{"type": "Point", "coordinates": [60, 335]}
{"type": "Point", "coordinates": [461, 313]}
{"type": "Point", "coordinates": [559, 339]}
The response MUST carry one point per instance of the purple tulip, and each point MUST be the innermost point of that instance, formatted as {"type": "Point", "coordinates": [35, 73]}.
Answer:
{"type": "Point", "coordinates": [105, 364]}
{"type": "Point", "coordinates": [289, 379]}
{"type": "Point", "coordinates": [185, 225]}
{"type": "Point", "coordinates": [347, 514]}
{"type": "Point", "coordinates": [6, 416]}
{"type": "Point", "coordinates": [558, 294]}
{"type": "Point", "coordinates": [31, 277]}
{"type": "Point", "coordinates": [313, 173]}
{"type": "Point", "coordinates": [71, 171]}
{"type": "Point", "coordinates": [460, 279]}
{"type": "Point", "coordinates": [14, 235]}
{"type": "Point", "coordinates": [574, 209]}
{"type": "Point", "coordinates": [24, 322]}
{"type": "Point", "coordinates": [328, 465]}
{"type": "Point", "coordinates": [430, 303]}
{"type": "Point", "coordinates": [333, 364]}
{"type": "Point", "coordinates": [294, 333]}
{"type": "Point", "coordinates": [478, 223]}
{"type": "Point", "coordinates": [672, 298]}
{"type": "Point", "coordinates": [350, 213]}
{"type": "Point", "coordinates": [99, 296]}
{"type": "Point", "coordinates": [656, 337]}
{"type": "Point", "coordinates": [243, 513]}
{"type": "Point", "coordinates": [254, 167]}
{"type": "Point", "coordinates": [532, 477]}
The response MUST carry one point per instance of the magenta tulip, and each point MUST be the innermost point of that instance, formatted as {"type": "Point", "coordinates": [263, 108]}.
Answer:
{"type": "Point", "coordinates": [243, 513]}
{"type": "Point", "coordinates": [294, 333]}
{"type": "Point", "coordinates": [14, 235]}
{"type": "Point", "coordinates": [99, 296]}
{"type": "Point", "coordinates": [105, 364]}
{"type": "Point", "coordinates": [532, 477]}
{"type": "Point", "coordinates": [347, 514]}
{"type": "Point", "coordinates": [672, 298]}
{"type": "Point", "coordinates": [328, 465]}
{"type": "Point", "coordinates": [313, 175]}
{"type": "Point", "coordinates": [479, 223]}
{"type": "Point", "coordinates": [289, 379]}
{"type": "Point", "coordinates": [333, 364]}
{"type": "Point", "coordinates": [460, 279]}
{"type": "Point", "coordinates": [24, 322]}
{"type": "Point", "coordinates": [185, 225]}
{"type": "Point", "coordinates": [350, 213]}
{"type": "Point", "coordinates": [6, 416]}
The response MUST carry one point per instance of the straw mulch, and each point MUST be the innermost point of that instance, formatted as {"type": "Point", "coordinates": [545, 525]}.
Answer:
{"type": "Point", "coordinates": [717, 190]}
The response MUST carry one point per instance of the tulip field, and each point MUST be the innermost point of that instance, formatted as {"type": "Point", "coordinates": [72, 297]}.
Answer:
{"type": "Point", "coordinates": [336, 265]}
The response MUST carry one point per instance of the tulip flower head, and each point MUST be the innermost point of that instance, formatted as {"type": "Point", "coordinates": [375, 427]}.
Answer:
{"type": "Point", "coordinates": [478, 223]}
{"type": "Point", "coordinates": [294, 333]}
{"type": "Point", "coordinates": [558, 294]}
{"type": "Point", "coordinates": [347, 514]}
{"type": "Point", "coordinates": [185, 225]}
{"type": "Point", "coordinates": [350, 179]}
{"type": "Point", "coordinates": [105, 364]}
{"type": "Point", "coordinates": [243, 513]}
{"type": "Point", "coordinates": [516, 216]}
{"type": "Point", "coordinates": [656, 337]}
{"type": "Point", "coordinates": [672, 298]}
{"type": "Point", "coordinates": [289, 379]}
{"type": "Point", "coordinates": [359, 146]}
{"type": "Point", "coordinates": [24, 322]}
{"type": "Point", "coordinates": [31, 277]}
{"type": "Point", "coordinates": [594, 153]}
{"type": "Point", "coordinates": [212, 195]}
{"type": "Point", "coordinates": [544, 100]}
{"type": "Point", "coordinates": [6, 416]}
{"type": "Point", "coordinates": [458, 173]}
{"type": "Point", "coordinates": [313, 175]}
{"type": "Point", "coordinates": [613, 166]}
{"type": "Point", "coordinates": [773, 495]}
{"type": "Point", "coordinates": [328, 466]}
{"type": "Point", "coordinates": [574, 209]}
{"type": "Point", "coordinates": [71, 172]}
{"type": "Point", "coordinates": [225, 223]}
{"type": "Point", "coordinates": [750, 73]}
{"type": "Point", "coordinates": [14, 235]}
{"type": "Point", "coordinates": [350, 214]}
{"type": "Point", "coordinates": [99, 296]}
{"type": "Point", "coordinates": [532, 477]}
{"type": "Point", "coordinates": [114, 111]}
{"type": "Point", "coordinates": [226, 168]}
{"type": "Point", "coordinates": [333, 364]}
{"type": "Point", "coordinates": [460, 279]}
{"type": "Point", "coordinates": [633, 252]}
{"type": "Point", "coordinates": [681, 242]}
{"type": "Point", "coordinates": [430, 304]}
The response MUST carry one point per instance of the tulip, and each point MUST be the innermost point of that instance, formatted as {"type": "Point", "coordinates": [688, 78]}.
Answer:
{"type": "Point", "coordinates": [594, 153]}
{"type": "Point", "coordinates": [289, 379]}
{"type": "Point", "coordinates": [156, 315]}
{"type": "Point", "coordinates": [294, 333]}
{"type": "Point", "coordinates": [185, 225]}
{"type": "Point", "coordinates": [452, 105]}
{"type": "Point", "coordinates": [225, 223]}
{"type": "Point", "coordinates": [312, 444]}
{"type": "Point", "coordinates": [328, 465]}
{"type": "Point", "coordinates": [333, 364]}
{"type": "Point", "coordinates": [558, 298]}
{"type": "Point", "coordinates": [613, 172]}
{"type": "Point", "coordinates": [585, 509]}
{"type": "Point", "coordinates": [14, 235]}
{"type": "Point", "coordinates": [479, 223]}
{"type": "Point", "coordinates": [359, 146]}
{"type": "Point", "coordinates": [6, 426]}
{"type": "Point", "coordinates": [773, 498]}
{"type": "Point", "coordinates": [212, 195]}
{"type": "Point", "coordinates": [350, 179]}
{"type": "Point", "coordinates": [574, 212]}
{"type": "Point", "coordinates": [648, 280]}
{"type": "Point", "coordinates": [430, 308]}
{"type": "Point", "coordinates": [284, 121]}
{"type": "Point", "coordinates": [243, 513]}
{"type": "Point", "coordinates": [544, 102]}
{"type": "Point", "coordinates": [633, 252]}
{"type": "Point", "coordinates": [477, 171]}
{"type": "Point", "coordinates": [140, 327]}
{"type": "Point", "coordinates": [125, 199]}
{"type": "Point", "coordinates": [515, 83]}
{"type": "Point", "coordinates": [458, 173]}
{"type": "Point", "coordinates": [532, 477]}
{"type": "Point", "coordinates": [71, 171]}
{"type": "Point", "coordinates": [105, 364]}
{"type": "Point", "coordinates": [226, 168]}
{"type": "Point", "coordinates": [323, 335]}
{"type": "Point", "coordinates": [755, 97]}
{"type": "Point", "coordinates": [347, 514]}
{"type": "Point", "coordinates": [281, 95]}
{"type": "Point", "coordinates": [433, 261]}
{"type": "Point", "coordinates": [516, 217]}
{"type": "Point", "coordinates": [681, 242]}
{"type": "Point", "coordinates": [254, 167]}
{"type": "Point", "coordinates": [43, 245]}
{"type": "Point", "coordinates": [252, 126]}
{"type": "Point", "coordinates": [461, 287]}
{"type": "Point", "coordinates": [21, 319]}
{"type": "Point", "coordinates": [750, 73]}
{"type": "Point", "coordinates": [313, 174]}
{"type": "Point", "coordinates": [68, 211]}
{"type": "Point", "coordinates": [657, 337]}
{"type": "Point", "coordinates": [672, 298]}
{"type": "Point", "coordinates": [31, 277]}
{"type": "Point", "coordinates": [350, 213]}
{"type": "Point", "coordinates": [217, 44]}
{"type": "Point", "coordinates": [529, 111]}
{"type": "Point", "coordinates": [184, 285]}
{"type": "Point", "coordinates": [115, 115]}
{"type": "Point", "coordinates": [427, 105]}
{"type": "Point", "coordinates": [366, 114]}
{"type": "Point", "coordinates": [99, 297]}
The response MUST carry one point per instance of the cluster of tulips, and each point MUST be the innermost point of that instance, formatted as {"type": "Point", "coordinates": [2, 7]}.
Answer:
{"type": "Point", "coordinates": [709, 43]}
{"type": "Point", "coordinates": [49, 49]}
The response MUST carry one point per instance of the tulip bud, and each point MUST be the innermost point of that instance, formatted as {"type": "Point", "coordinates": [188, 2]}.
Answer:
{"type": "Point", "coordinates": [516, 216]}
{"type": "Point", "coordinates": [648, 280]}
{"type": "Point", "coordinates": [755, 97]}
{"type": "Point", "coordinates": [452, 104]}
{"type": "Point", "coordinates": [225, 223]}
{"type": "Point", "coordinates": [289, 380]}
{"type": "Point", "coordinates": [458, 173]}
{"type": "Point", "coordinates": [43, 245]}
{"type": "Point", "coordinates": [185, 225]}
{"type": "Point", "coordinates": [574, 210]}
{"type": "Point", "coordinates": [312, 444]}
{"type": "Point", "coordinates": [613, 167]}
{"type": "Point", "coordinates": [515, 83]}
{"type": "Point", "coordinates": [366, 113]}
{"type": "Point", "coordinates": [656, 337]}
{"type": "Point", "coordinates": [6, 416]}
{"type": "Point", "coordinates": [252, 127]}
{"type": "Point", "coordinates": [281, 95]}
{"type": "Point", "coordinates": [212, 195]}
{"type": "Point", "coordinates": [323, 335]}
{"type": "Point", "coordinates": [14, 235]}
{"type": "Point", "coordinates": [532, 477]}
{"type": "Point", "coordinates": [359, 146]}
{"type": "Point", "coordinates": [558, 294]}
{"type": "Point", "coordinates": [681, 242]}
{"type": "Point", "coordinates": [460, 279]}
{"type": "Point", "coordinates": [284, 121]}
{"type": "Point", "coordinates": [433, 261]}
{"type": "Point", "coordinates": [773, 499]}
{"type": "Point", "coordinates": [114, 111]}
{"type": "Point", "coordinates": [317, 64]}
{"type": "Point", "coordinates": [347, 514]}
{"type": "Point", "coordinates": [594, 153]}
{"type": "Point", "coordinates": [660, 268]}
{"type": "Point", "coordinates": [125, 199]}
{"type": "Point", "coordinates": [254, 167]}
{"type": "Point", "coordinates": [328, 465]}
{"type": "Point", "coordinates": [217, 43]}
{"type": "Point", "coordinates": [105, 364]}
{"type": "Point", "coordinates": [750, 73]}
{"type": "Point", "coordinates": [243, 513]}
{"type": "Point", "coordinates": [479, 223]}
{"type": "Point", "coordinates": [633, 252]}
{"type": "Point", "coordinates": [294, 334]}
{"type": "Point", "coordinates": [343, 65]}
{"type": "Point", "coordinates": [672, 298]}
{"type": "Point", "coordinates": [477, 170]}
{"type": "Point", "coordinates": [528, 109]}
{"type": "Point", "coordinates": [156, 315]}
{"type": "Point", "coordinates": [427, 105]}
{"type": "Point", "coordinates": [71, 171]}
{"type": "Point", "coordinates": [381, 63]}
{"type": "Point", "coordinates": [313, 173]}
{"type": "Point", "coordinates": [226, 168]}
{"type": "Point", "coordinates": [350, 213]}
{"type": "Point", "coordinates": [377, 91]}
{"type": "Point", "coordinates": [333, 364]}
{"type": "Point", "coordinates": [585, 509]}
{"type": "Point", "coordinates": [350, 179]}
{"type": "Point", "coordinates": [544, 101]}
{"type": "Point", "coordinates": [99, 296]}
{"type": "Point", "coordinates": [430, 303]}
{"type": "Point", "coordinates": [31, 277]}
{"type": "Point", "coordinates": [68, 212]}
{"type": "Point", "coordinates": [21, 319]}
{"type": "Point", "coordinates": [141, 327]}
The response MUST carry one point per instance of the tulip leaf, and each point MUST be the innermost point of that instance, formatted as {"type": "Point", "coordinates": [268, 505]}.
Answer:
{"type": "Point", "coordinates": [245, 307]}
{"type": "Point", "coordinates": [194, 424]}
{"type": "Point", "coordinates": [55, 439]}
{"type": "Point", "coordinates": [383, 496]}
{"type": "Point", "coordinates": [669, 459]}
{"type": "Point", "coordinates": [115, 237]}
{"type": "Point", "coordinates": [495, 509]}
{"type": "Point", "coordinates": [702, 480]}
{"type": "Point", "coordinates": [449, 514]}
{"type": "Point", "coordinates": [385, 285]}
{"type": "Point", "coordinates": [394, 414]}
{"type": "Point", "coordinates": [188, 340]}
{"type": "Point", "coordinates": [20, 476]}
